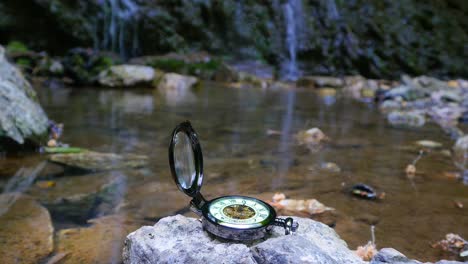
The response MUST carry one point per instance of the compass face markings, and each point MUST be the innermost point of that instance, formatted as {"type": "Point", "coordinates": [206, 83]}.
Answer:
{"type": "Point", "coordinates": [239, 210]}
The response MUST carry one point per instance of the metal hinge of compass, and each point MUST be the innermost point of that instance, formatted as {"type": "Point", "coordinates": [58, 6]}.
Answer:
{"type": "Point", "coordinates": [288, 224]}
{"type": "Point", "coordinates": [197, 203]}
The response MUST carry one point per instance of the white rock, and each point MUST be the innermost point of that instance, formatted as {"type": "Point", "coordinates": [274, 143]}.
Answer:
{"type": "Point", "coordinates": [178, 239]}
{"type": "Point", "coordinates": [126, 75]}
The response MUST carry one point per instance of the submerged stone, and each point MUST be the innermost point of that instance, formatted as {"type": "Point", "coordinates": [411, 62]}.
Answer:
{"type": "Point", "coordinates": [126, 75]}
{"type": "Point", "coordinates": [96, 161]}
{"type": "Point", "coordinates": [21, 116]}
{"type": "Point", "coordinates": [410, 119]}
{"type": "Point", "coordinates": [101, 242]}
{"type": "Point", "coordinates": [182, 239]}
{"type": "Point", "coordinates": [26, 231]}
{"type": "Point", "coordinates": [79, 197]}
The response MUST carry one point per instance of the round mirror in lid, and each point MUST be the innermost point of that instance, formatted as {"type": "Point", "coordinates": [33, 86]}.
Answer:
{"type": "Point", "coordinates": [185, 159]}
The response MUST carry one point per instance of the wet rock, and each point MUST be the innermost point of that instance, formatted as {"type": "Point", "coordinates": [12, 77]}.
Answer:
{"type": "Point", "coordinates": [99, 243]}
{"type": "Point", "coordinates": [84, 65]}
{"type": "Point", "coordinates": [320, 81]}
{"type": "Point", "coordinates": [126, 75]}
{"type": "Point", "coordinates": [428, 144]}
{"type": "Point", "coordinates": [182, 239]}
{"type": "Point", "coordinates": [78, 198]}
{"type": "Point", "coordinates": [96, 161]}
{"type": "Point", "coordinates": [176, 82]}
{"type": "Point", "coordinates": [388, 106]}
{"type": "Point", "coordinates": [26, 231]}
{"type": "Point", "coordinates": [446, 115]}
{"type": "Point", "coordinates": [311, 138]}
{"type": "Point", "coordinates": [21, 116]}
{"type": "Point", "coordinates": [390, 255]}
{"type": "Point", "coordinates": [460, 153]}
{"type": "Point", "coordinates": [409, 119]}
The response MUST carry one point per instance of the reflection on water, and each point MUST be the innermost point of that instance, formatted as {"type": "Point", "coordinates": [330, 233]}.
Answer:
{"type": "Point", "coordinates": [240, 158]}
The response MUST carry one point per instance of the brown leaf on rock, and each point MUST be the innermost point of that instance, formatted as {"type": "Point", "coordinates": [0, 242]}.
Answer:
{"type": "Point", "coordinates": [310, 206]}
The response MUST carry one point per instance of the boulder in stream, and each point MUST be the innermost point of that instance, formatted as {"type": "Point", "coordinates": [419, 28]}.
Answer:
{"type": "Point", "coordinates": [182, 240]}
{"type": "Point", "coordinates": [96, 161]}
{"type": "Point", "coordinates": [176, 82]}
{"type": "Point", "coordinates": [126, 75]}
{"type": "Point", "coordinates": [21, 116]}
{"type": "Point", "coordinates": [26, 231]}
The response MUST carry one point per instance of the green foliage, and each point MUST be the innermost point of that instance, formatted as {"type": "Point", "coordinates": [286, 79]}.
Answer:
{"type": "Point", "coordinates": [202, 69]}
{"type": "Point", "coordinates": [24, 62]}
{"type": "Point", "coordinates": [16, 46]}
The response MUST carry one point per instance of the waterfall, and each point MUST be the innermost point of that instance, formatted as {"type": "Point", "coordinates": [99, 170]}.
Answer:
{"type": "Point", "coordinates": [116, 27]}
{"type": "Point", "coordinates": [293, 18]}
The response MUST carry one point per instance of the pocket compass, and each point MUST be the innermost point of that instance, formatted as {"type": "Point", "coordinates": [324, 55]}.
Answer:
{"type": "Point", "coordinates": [231, 217]}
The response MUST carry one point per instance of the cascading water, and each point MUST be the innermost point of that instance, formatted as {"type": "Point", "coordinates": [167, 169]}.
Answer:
{"type": "Point", "coordinates": [293, 17]}
{"type": "Point", "coordinates": [116, 27]}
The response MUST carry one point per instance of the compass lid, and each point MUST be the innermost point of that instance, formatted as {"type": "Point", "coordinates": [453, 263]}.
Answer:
{"type": "Point", "coordinates": [186, 159]}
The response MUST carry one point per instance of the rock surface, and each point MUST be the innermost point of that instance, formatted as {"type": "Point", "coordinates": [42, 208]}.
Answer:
{"type": "Point", "coordinates": [26, 231]}
{"type": "Point", "coordinates": [176, 82]}
{"type": "Point", "coordinates": [21, 116]}
{"type": "Point", "coordinates": [179, 239]}
{"type": "Point", "coordinates": [126, 75]}
{"type": "Point", "coordinates": [96, 161]}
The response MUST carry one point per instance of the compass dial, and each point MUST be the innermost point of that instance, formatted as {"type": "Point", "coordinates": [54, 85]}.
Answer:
{"type": "Point", "coordinates": [239, 210]}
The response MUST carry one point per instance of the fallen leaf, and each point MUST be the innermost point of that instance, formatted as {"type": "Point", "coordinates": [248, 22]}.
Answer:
{"type": "Point", "coordinates": [45, 184]}
{"type": "Point", "coordinates": [310, 206]}
{"type": "Point", "coordinates": [410, 170]}
{"type": "Point", "coordinates": [366, 252]}
{"type": "Point", "coordinates": [452, 175]}
{"type": "Point", "coordinates": [458, 204]}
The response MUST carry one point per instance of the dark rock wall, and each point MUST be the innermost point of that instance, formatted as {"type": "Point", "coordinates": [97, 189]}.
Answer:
{"type": "Point", "coordinates": [373, 38]}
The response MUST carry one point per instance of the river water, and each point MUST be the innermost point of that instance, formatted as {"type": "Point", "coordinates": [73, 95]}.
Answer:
{"type": "Point", "coordinates": [240, 158]}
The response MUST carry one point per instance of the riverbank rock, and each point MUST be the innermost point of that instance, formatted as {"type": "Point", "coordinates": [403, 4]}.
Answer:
{"type": "Point", "coordinates": [406, 119]}
{"type": "Point", "coordinates": [393, 256]}
{"type": "Point", "coordinates": [96, 161]}
{"type": "Point", "coordinates": [460, 153]}
{"type": "Point", "coordinates": [79, 197]}
{"type": "Point", "coordinates": [26, 231]}
{"type": "Point", "coordinates": [21, 116]}
{"type": "Point", "coordinates": [126, 75]}
{"type": "Point", "coordinates": [176, 82]}
{"type": "Point", "coordinates": [320, 81]}
{"type": "Point", "coordinates": [182, 239]}
{"type": "Point", "coordinates": [101, 242]}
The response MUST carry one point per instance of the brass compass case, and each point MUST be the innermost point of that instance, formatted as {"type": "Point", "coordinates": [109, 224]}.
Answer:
{"type": "Point", "coordinates": [231, 217]}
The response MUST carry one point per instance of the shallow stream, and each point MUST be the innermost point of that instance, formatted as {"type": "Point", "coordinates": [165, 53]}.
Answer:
{"type": "Point", "coordinates": [241, 158]}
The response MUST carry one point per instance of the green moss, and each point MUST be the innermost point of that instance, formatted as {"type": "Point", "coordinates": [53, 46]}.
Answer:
{"type": "Point", "coordinates": [16, 46]}
{"type": "Point", "coordinates": [169, 65]}
{"type": "Point", "coordinates": [205, 70]}
{"type": "Point", "coordinates": [24, 62]}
